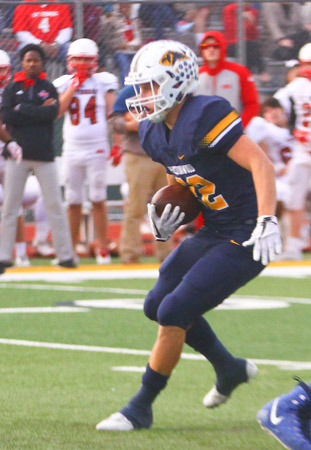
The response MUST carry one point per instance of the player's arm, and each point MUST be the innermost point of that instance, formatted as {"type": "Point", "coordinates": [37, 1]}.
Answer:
{"type": "Point", "coordinates": [65, 99]}
{"type": "Point", "coordinates": [265, 238]}
{"type": "Point", "coordinates": [250, 156]}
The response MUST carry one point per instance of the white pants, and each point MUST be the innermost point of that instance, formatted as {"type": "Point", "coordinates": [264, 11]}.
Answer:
{"type": "Point", "coordinates": [85, 168]}
{"type": "Point", "coordinates": [14, 185]}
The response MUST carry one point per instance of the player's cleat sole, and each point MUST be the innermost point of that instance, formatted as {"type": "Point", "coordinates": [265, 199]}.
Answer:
{"type": "Point", "coordinates": [215, 398]}
{"type": "Point", "coordinates": [116, 422]}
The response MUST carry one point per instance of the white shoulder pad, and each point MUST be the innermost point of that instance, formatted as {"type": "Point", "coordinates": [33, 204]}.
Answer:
{"type": "Point", "coordinates": [61, 83]}
{"type": "Point", "coordinates": [108, 80]}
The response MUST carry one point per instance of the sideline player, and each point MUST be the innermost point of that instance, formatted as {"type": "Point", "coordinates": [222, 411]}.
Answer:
{"type": "Point", "coordinates": [295, 97]}
{"type": "Point", "coordinates": [272, 134]}
{"type": "Point", "coordinates": [86, 98]}
{"type": "Point", "coordinates": [201, 143]}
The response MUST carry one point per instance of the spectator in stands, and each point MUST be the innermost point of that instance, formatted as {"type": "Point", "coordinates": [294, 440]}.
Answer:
{"type": "Point", "coordinates": [217, 76]}
{"type": "Point", "coordinates": [29, 107]}
{"type": "Point", "coordinates": [86, 98]}
{"type": "Point", "coordinates": [254, 57]}
{"type": "Point", "coordinates": [144, 178]}
{"type": "Point", "coordinates": [47, 25]}
{"type": "Point", "coordinates": [157, 17]}
{"type": "Point", "coordinates": [130, 42]}
{"type": "Point", "coordinates": [295, 99]}
{"type": "Point", "coordinates": [200, 17]}
{"type": "Point", "coordinates": [92, 16]}
{"type": "Point", "coordinates": [281, 20]}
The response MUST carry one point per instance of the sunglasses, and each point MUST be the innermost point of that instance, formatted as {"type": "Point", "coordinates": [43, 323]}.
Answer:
{"type": "Point", "coordinates": [210, 45]}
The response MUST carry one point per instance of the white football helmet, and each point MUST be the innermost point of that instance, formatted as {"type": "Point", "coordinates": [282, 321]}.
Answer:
{"type": "Point", "coordinates": [5, 68]}
{"type": "Point", "coordinates": [171, 65]}
{"type": "Point", "coordinates": [82, 48]}
{"type": "Point", "coordinates": [304, 56]}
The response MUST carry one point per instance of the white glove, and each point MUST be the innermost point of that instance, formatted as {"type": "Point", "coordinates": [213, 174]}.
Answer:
{"type": "Point", "coordinates": [266, 239]}
{"type": "Point", "coordinates": [13, 150]}
{"type": "Point", "coordinates": [163, 227]}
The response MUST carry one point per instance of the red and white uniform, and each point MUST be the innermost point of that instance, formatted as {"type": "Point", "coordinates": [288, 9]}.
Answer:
{"type": "Point", "coordinates": [295, 98]}
{"type": "Point", "coordinates": [278, 143]}
{"type": "Point", "coordinates": [36, 23]}
{"type": "Point", "coordinates": [85, 134]}
{"type": "Point", "coordinates": [85, 126]}
{"type": "Point", "coordinates": [230, 80]}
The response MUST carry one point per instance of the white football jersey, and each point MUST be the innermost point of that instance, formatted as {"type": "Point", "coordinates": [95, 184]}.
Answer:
{"type": "Point", "coordinates": [85, 123]}
{"type": "Point", "coordinates": [278, 141]}
{"type": "Point", "coordinates": [295, 98]}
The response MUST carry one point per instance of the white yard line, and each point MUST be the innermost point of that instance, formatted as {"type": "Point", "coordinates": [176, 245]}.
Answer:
{"type": "Point", "coordinates": [42, 309]}
{"type": "Point", "coordinates": [54, 287]}
{"type": "Point", "coordinates": [290, 365]}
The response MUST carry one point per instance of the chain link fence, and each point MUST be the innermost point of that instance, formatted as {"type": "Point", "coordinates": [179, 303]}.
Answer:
{"type": "Point", "coordinates": [253, 30]}
{"type": "Point", "coordinates": [265, 36]}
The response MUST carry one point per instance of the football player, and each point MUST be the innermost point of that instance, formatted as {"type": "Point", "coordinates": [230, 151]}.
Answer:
{"type": "Point", "coordinates": [201, 143]}
{"type": "Point", "coordinates": [295, 98]}
{"type": "Point", "coordinates": [272, 134]}
{"type": "Point", "coordinates": [86, 99]}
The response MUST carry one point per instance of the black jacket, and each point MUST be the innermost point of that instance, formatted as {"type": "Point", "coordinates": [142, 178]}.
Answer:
{"type": "Point", "coordinates": [30, 123]}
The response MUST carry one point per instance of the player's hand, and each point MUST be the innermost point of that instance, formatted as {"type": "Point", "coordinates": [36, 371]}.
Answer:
{"type": "Point", "coordinates": [266, 239]}
{"type": "Point", "coordinates": [77, 80]}
{"type": "Point", "coordinates": [115, 155]}
{"type": "Point", "coordinates": [13, 150]}
{"type": "Point", "coordinates": [163, 227]}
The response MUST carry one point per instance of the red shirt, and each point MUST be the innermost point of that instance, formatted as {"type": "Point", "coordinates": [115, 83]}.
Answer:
{"type": "Point", "coordinates": [230, 21]}
{"type": "Point", "coordinates": [44, 22]}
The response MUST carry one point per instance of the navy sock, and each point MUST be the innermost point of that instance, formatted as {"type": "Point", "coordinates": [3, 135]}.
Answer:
{"type": "Point", "coordinates": [138, 410]}
{"type": "Point", "coordinates": [230, 371]}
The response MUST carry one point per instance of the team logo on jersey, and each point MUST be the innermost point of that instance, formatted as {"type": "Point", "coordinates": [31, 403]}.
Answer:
{"type": "Point", "coordinates": [169, 58]}
{"type": "Point", "coordinates": [43, 94]}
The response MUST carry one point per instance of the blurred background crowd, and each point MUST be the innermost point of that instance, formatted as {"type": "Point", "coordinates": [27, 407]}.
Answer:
{"type": "Point", "coordinates": [251, 48]}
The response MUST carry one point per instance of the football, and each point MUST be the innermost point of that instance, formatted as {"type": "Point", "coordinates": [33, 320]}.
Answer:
{"type": "Point", "coordinates": [177, 195]}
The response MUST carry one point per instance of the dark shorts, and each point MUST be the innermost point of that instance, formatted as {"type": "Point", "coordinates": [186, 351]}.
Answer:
{"type": "Point", "coordinates": [199, 274]}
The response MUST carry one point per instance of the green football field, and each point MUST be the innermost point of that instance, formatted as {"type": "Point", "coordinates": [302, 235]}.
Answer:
{"type": "Point", "coordinates": [74, 344]}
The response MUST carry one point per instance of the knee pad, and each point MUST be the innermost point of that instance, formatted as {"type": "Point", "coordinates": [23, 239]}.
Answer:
{"type": "Point", "coordinates": [73, 197]}
{"type": "Point", "coordinates": [151, 306]}
{"type": "Point", "coordinates": [98, 189]}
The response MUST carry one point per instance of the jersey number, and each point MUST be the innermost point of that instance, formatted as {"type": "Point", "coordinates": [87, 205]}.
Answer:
{"type": "Point", "coordinates": [205, 191]}
{"type": "Point", "coordinates": [44, 25]}
{"type": "Point", "coordinates": [89, 110]}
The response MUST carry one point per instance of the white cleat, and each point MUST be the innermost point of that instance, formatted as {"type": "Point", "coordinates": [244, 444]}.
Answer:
{"type": "Point", "coordinates": [103, 259]}
{"type": "Point", "coordinates": [22, 261]}
{"type": "Point", "coordinates": [214, 398]}
{"type": "Point", "coordinates": [116, 422]}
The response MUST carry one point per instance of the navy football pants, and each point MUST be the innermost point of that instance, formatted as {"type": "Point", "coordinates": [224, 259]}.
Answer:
{"type": "Point", "coordinates": [199, 274]}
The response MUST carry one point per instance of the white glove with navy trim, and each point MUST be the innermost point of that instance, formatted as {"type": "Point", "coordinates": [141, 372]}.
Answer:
{"type": "Point", "coordinates": [266, 239]}
{"type": "Point", "coordinates": [163, 227]}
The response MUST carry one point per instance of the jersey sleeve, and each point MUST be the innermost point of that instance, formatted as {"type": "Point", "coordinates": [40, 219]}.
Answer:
{"type": "Point", "coordinates": [219, 127]}
{"type": "Point", "coordinates": [61, 84]}
{"type": "Point", "coordinates": [257, 130]}
{"type": "Point", "coordinates": [109, 81]}
{"type": "Point", "coordinates": [20, 21]}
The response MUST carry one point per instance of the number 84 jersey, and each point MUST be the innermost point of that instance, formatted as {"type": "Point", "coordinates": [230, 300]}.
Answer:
{"type": "Point", "coordinates": [85, 122]}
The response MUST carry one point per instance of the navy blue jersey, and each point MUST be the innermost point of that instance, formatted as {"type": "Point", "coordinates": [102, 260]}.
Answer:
{"type": "Point", "coordinates": [195, 152]}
